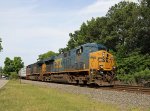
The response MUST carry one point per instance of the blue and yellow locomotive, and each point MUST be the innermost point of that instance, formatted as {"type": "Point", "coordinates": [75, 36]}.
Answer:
{"type": "Point", "coordinates": [87, 64]}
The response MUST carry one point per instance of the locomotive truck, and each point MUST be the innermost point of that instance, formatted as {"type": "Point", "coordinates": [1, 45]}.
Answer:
{"type": "Point", "coordinates": [90, 63]}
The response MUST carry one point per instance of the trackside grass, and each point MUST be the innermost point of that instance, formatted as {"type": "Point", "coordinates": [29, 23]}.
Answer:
{"type": "Point", "coordinates": [27, 97]}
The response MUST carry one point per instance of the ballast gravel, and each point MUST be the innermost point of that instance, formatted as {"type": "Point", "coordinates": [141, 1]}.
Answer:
{"type": "Point", "coordinates": [120, 98]}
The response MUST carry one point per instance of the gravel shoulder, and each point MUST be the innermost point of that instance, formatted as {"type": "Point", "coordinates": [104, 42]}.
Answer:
{"type": "Point", "coordinates": [124, 100]}
{"type": "Point", "coordinates": [3, 82]}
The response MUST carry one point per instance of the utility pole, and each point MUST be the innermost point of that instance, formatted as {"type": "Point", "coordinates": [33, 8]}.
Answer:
{"type": "Point", "coordinates": [19, 76]}
{"type": "Point", "coordinates": [20, 79]}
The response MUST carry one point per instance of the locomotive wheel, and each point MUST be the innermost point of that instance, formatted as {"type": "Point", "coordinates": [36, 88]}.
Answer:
{"type": "Point", "coordinates": [77, 82]}
{"type": "Point", "coordinates": [85, 82]}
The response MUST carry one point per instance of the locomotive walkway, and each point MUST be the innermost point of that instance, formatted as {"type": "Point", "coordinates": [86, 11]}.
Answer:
{"type": "Point", "coordinates": [3, 82]}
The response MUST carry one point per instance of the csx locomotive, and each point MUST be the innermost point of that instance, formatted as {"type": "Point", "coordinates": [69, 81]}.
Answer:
{"type": "Point", "coordinates": [90, 63]}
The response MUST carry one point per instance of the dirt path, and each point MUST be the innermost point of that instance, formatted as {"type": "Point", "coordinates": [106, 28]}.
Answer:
{"type": "Point", "coordinates": [3, 82]}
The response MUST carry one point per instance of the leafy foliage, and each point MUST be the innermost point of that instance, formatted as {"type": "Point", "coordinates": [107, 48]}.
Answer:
{"type": "Point", "coordinates": [18, 64]}
{"type": "Point", "coordinates": [9, 67]}
{"type": "Point", "coordinates": [13, 65]}
{"type": "Point", "coordinates": [46, 55]}
{"type": "Point", "coordinates": [124, 29]}
{"type": "Point", "coordinates": [139, 77]}
{"type": "Point", "coordinates": [142, 76]}
{"type": "Point", "coordinates": [13, 75]}
{"type": "Point", "coordinates": [135, 62]}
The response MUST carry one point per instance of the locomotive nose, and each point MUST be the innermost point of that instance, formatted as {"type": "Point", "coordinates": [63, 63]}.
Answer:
{"type": "Point", "coordinates": [102, 60]}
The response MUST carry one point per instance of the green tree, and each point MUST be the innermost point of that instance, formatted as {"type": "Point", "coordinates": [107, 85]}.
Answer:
{"type": "Point", "coordinates": [118, 30]}
{"type": "Point", "coordinates": [123, 27]}
{"type": "Point", "coordinates": [8, 66]}
{"type": "Point", "coordinates": [91, 31]}
{"type": "Point", "coordinates": [18, 64]}
{"type": "Point", "coordinates": [12, 65]}
{"type": "Point", "coordinates": [143, 34]}
{"type": "Point", "coordinates": [46, 55]}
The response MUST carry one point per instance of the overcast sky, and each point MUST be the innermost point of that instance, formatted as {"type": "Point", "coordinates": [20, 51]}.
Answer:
{"type": "Point", "coordinates": [32, 27]}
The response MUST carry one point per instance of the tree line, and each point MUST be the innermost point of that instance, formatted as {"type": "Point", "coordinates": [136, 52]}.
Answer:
{"type": "Point", "coordinates": [125, 31]}
{"type": "Point", "coordinates": [12, 67]}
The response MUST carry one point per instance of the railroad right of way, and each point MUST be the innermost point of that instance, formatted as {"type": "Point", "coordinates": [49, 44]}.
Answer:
{"type": "Point", "coordinates": [120, 98]}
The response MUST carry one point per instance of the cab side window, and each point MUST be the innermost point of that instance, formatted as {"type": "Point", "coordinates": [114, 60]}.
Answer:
{"type": "Point", "coordinates": [79, 51]}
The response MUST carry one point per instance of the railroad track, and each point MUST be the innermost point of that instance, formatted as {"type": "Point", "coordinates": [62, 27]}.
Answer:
{"type": "Point", "coordinates": [124, 88]}
{"type": "Point", "coordinates": [117, 87]}
{"type": "Point", "coordinates": [129, 88]}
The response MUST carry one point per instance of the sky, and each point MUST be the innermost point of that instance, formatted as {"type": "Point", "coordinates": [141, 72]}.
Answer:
{"type": "Point", "coordinates": [29, 28]}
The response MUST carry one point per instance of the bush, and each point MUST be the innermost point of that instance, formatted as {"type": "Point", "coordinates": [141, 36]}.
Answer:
{"type": "Point", "coordinates": [127, 79]}
{"type": "Point", "coordinates": [142, 76]}
{"type": "Point", "coordinates": [133, 63]}
{"type": "Point", "coordinates": [133, 68]}
{"type": "Point", "coordinates": [13, 75]}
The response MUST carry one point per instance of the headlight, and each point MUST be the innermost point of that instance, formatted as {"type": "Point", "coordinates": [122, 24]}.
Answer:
{"type": "Point", "coordinates": [103, 54]}
{"type": "Point", "coordinates": [101, 60]}
{"type": "Point", "coordinates": [114, 67]}
{"type": "Point", "coordinates": [101, 66]}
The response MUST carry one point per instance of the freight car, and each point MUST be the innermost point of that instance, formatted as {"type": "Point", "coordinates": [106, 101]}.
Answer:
{"type": "Point", "coordinates": [22, 73]}
{"type": "Point", "coordinates": [87, 64]}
